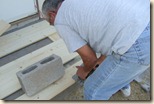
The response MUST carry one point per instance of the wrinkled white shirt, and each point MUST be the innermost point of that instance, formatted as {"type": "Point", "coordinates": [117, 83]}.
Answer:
{"type": "Point", "coordinates": [105, 25]}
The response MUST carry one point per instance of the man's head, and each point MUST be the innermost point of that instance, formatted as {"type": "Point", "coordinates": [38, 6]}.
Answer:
{"type": "Point", "coordinates": [50, 9]}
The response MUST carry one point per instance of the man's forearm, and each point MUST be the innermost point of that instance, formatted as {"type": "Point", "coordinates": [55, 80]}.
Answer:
{"type": "Point", "coordinates": [89, 59]}
{"type": "Point", "coordinates": [89, 63]}
{"type": "Point", "coordinates": [88, 56]}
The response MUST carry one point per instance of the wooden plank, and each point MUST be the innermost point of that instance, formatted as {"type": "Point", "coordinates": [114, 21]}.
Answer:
{"type": "Point", "coordinates": [8, 79]}
{"type": "Point", "coordinates": [29, 30]}
{"type": "Point", "coordinates": [55, 88]}
{"type": "Point", "coordinates": [54, 37]}
{"type": "Point", "coordinates": [3, 26]}
{"type": "Point", "coordinates": [18, 40]}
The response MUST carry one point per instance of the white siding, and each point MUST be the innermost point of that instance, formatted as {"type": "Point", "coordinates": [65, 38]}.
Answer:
{"type": "Point", "coordinates": [11, 10]}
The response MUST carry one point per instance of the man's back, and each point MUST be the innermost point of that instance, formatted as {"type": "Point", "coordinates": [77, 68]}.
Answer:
{"type": "Point", "coordinates": [106, 25]}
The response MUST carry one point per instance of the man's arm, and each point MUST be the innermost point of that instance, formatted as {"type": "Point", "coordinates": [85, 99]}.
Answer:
{"type": "Point", "coordinates": [89, 59]}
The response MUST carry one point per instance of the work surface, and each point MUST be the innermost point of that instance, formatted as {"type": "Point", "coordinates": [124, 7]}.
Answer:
{"type": "Point", "coordinates": [16, 53]}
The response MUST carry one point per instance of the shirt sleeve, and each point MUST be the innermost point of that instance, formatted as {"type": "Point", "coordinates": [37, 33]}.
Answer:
{"type": "Point", "coordinates": [71, 38]}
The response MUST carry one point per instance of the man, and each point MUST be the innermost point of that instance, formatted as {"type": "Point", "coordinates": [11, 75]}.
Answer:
{"type": "Point", "coordinates": [117, 29]}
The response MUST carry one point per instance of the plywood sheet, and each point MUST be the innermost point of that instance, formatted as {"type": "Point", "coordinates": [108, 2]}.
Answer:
{"type": "Point", "coordinates": [26, 36]}
{"type": "Point", "coordinates": [8, 79]}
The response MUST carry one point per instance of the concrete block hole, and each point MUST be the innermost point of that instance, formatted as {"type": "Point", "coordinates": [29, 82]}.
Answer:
{"type": "Point", "coordinates": [47, 60]}
{"type": "Point", "coordinates": [29, 69]}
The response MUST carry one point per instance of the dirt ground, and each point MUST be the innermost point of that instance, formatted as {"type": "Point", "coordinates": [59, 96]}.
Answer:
{"type": "Point", "coordinates": [137, 93]}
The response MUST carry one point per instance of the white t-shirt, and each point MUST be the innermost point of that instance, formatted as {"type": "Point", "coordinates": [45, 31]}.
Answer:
{"type": "Point", "coordinates": [105, 25]}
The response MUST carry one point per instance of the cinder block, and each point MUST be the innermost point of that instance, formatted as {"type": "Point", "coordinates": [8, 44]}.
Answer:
{"type": "Point", "coordinates": [41, 74]}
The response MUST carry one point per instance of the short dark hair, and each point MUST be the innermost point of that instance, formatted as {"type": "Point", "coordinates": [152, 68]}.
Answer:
{"type": "Point", "coordinates": [49, 5]}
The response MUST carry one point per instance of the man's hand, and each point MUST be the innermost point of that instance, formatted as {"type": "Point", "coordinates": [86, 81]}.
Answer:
{"type": "Point", "coordinates": [89, 59]}
{"type": "Point", "coordinates": [99, 61]}
{"type": "Point", "coordinates": [81, 72]}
